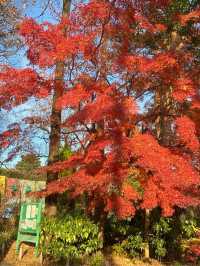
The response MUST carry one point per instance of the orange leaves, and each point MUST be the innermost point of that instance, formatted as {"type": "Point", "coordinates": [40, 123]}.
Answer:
{"type": "Point", "coordinates": [49, 44]}
{"type": "Point", "coordinates": [150, 199]}
{"type": "Point", "coordinates": [41, 41]}
{"type": "Point", "coordinates": [145, 65]}
{"type": "Point", "coordinates": [172, 175]}
{"type": "Point", "coordinates": [9, 136]}
{"type": "Point", "coordinates": [96, 151]}
{"type": "Point", "coordinates": [94, 11]}
{"type": "Point", "coordinates": [129, 192]}
{"type": "Point", "coordinates": [187, 132]}
{"type": "Point", "coordinates": [29, 26]}
{"type": "Point", "coordinates": [195, 104]}
{"type": "Point", "coordinates": [145, 24]}
{"type": "Point", "coordinates": [73, 97]}
{"type": "Point", "coordinates": [129, 105]}
{"type": "Point", "coordinates": [134, 62]}
{"type": "Point", "coordinates": [162, 162]}
{"type": "Point", "coordinates": [111, 105]}
{"type": "Point", "coordinates": [113, 52]}
{"type": "Point", "coordinates": [72, 162]}
{"type": "Point", "coordinates": [160, 27]}
{"type": "Point", "coordinates": [10, 77]}
{"type": "Point", "coordinates": [183, 88]}
{"type": "Point", "coordinates": [120, 206]}
{"type": "Point", "coordinates": [17, 85]}
{"type": "Point", "coordinates": [164, 61]}
{"type": "Point", "coordinates": [193, 15]}
{"type": "Point", "coordinates": [73, 45]}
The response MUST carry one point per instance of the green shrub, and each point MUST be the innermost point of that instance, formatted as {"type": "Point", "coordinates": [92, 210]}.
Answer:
{"type": "Point", "coordinates": [69, 237]}
{"type": "Point", "coordinates": [159, 247]}
{"type": "Point", "coordinates": [132, 246]}
{"type": "Point", "coordinates": [176, 263]}
{"type": "Point", "coordinates": [160, 231]}
{"type": "Point", "coordinates": [97, 259]}
{"type": "Point", "coordinates": [188, 227]}
{"type": "Point", "coordinates": [118, 230]}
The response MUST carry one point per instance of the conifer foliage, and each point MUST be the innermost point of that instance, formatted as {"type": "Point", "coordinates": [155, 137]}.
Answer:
{"type": "Point", "coordinates": [115, 52]}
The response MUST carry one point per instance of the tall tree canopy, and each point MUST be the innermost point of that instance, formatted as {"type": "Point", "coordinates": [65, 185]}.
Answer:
{"type": "Point", "coordinates": [112, 56]}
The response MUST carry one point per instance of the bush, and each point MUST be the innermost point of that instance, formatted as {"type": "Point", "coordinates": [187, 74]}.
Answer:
{"type": "Point", "coordinates": [132, 246]}
{"type": "Point", "coordinates": [160, 231]}
{"type": "Point", "coordinates": [118, 230]}
{"type": "Point", "coordinates": [69, 237]}
{"type": "Point", "coordinates": [188, 227]}
{"type": "Point", "coordinates": [97, 259]}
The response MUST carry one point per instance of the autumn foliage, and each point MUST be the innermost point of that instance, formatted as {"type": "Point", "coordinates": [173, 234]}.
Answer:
{"type": "Point", "coordinates": [115, 52]}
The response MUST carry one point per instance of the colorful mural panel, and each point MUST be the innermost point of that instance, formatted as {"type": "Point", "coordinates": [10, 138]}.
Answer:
{"type": "Point", "coordinates": [2, 185]}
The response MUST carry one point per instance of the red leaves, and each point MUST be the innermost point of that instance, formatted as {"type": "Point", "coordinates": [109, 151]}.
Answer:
{"type": "Point", "coordinates": [129, 192]}
{"type": "Point", "coordinates": [193, 15]}
{"type": "Point", "coordinates": [159, 63]}
{"type": "Point", "coordinates": [110, 106]}
{"type": "Point", "coordinates": [187, 132]}
{"type": "Point", "coordinates": [193, 253]}
{"type": "Point", "coordinates": [49, 44]}
{"type": "Point", "coordinates": [173, 175]}
{"type": "Point", "coordinates": [94, 12]}
{"type": "Point", "coordinates": [161, 161]}
{"type": "Point", "coordinates": [145, 24]}
{"type": "Point", "coordinates": [41, 40]}
{"type": "Point", "coordinates": [150, 194]}
{"type": "Point", "coordinates": [17, 85]}
{"type": "Point", "coordinates": [73, 97]}
{"type": "Point", "coordinates": [183, 89]}
{"type": "Point", "coordinates": [120, 206]}
{"type": "Point", "coordinates": [110, 59]}
{"type": "Point", "coordinates": [9, 136]}
{"type": "Point", "coordinates": [29, 26]}
{"type": "Point", "coordinates": [72, 162]}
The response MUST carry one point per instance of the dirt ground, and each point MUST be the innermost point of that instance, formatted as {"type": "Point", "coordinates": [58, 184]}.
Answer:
{"type": "Point", "coordinates": [116, 260]}
{"type": "Point", "coordinates": [29, 259]}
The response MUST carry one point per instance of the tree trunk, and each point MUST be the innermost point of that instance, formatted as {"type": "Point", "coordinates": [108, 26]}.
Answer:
{"type": "Point", "coordinates": [164, 102]}
{"type": "Point", "coordinates": [164, 106]}
{"type": "Point", "coordinates": [55, 120]}
{"type": "Point", "coordinates": [146, 232]}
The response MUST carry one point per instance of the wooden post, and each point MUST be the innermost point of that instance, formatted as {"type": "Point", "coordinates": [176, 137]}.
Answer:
{"type": "Point", "coordinates": [146, 231]}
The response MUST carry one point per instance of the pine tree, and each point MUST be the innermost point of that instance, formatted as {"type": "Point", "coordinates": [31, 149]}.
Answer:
{"type": "Point", "coordinates": [27, 167]}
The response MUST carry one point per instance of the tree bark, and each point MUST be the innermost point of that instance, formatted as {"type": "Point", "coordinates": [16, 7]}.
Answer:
{"type": "Point", "coordinates": [146, 232]}
{"type": "Point", "coordinates": [55, 120]}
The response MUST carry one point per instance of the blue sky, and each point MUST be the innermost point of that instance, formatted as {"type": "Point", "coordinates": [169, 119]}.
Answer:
{"type": "Point", "coordinates": [19, 60]}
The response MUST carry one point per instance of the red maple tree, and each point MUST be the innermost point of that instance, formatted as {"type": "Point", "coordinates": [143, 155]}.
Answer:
{"type": "Point", "coordinates": [115, 52]}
